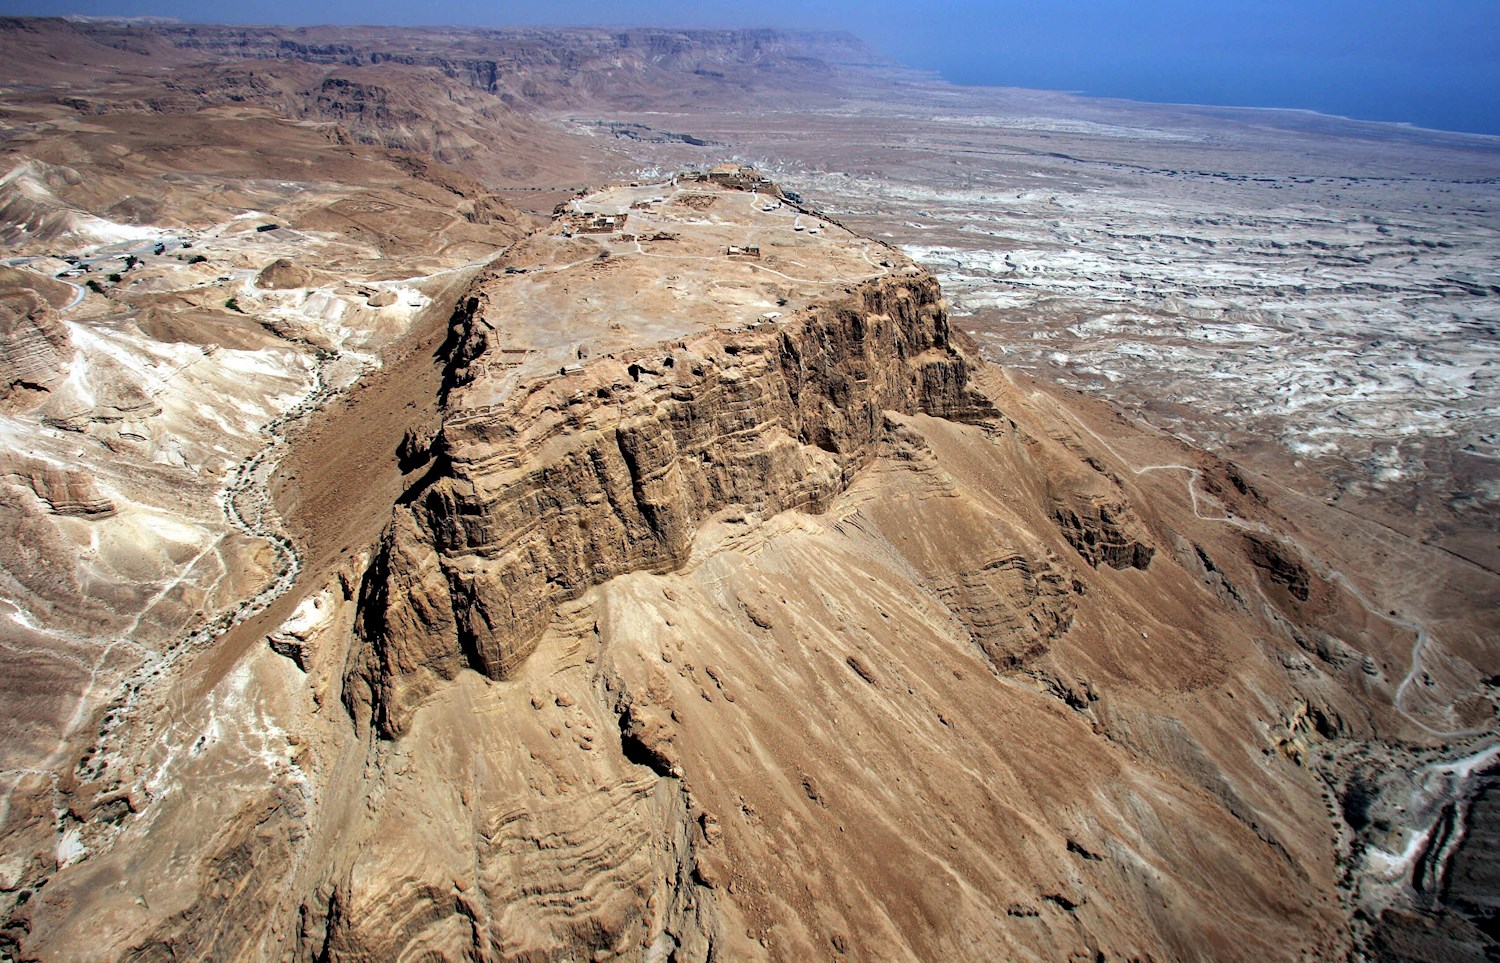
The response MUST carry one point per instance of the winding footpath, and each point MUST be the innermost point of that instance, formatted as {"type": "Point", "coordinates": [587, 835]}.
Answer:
{"type": "Point", "coordinates": [1421, 636]}
{"type": "Point", "coordinates": [131, 696]}
{"type": "Point", "coordinates": [246, 502]}
{"type": "Point", "coordinates": [1435, 785]}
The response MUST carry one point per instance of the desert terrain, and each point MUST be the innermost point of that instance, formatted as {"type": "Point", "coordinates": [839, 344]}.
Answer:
{"type": "Point", "coordinates": [453, 513]}
{"type": "Point", "coordinates": [1315, 296]}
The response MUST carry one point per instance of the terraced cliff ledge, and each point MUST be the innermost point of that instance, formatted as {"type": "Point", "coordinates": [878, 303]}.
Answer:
{"type": "Point", "coordinates": [544, 485]}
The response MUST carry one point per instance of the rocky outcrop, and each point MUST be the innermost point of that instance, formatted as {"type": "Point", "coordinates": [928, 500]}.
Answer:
{"type": "Point", "coordinates": [282, 275]}
{"type": "Point", "coordinates": [34, 348]}
{"type": "Point", "coordinates": [62, 491]}
{"type": "Point", "coordinates": [1278, 566]}
{"type": "Point", "coordinates": [1103, 529]}
{"type": "Point", "coordinates": [238, 886]}
{"type": "Point", "coordinates": [611, 468]}
{"type": "Point", "coordinates": [1013, 606]}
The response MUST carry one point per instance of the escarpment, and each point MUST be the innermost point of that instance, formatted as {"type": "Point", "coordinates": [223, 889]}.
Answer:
{"type": "Point", "coordinates": [611, 467]}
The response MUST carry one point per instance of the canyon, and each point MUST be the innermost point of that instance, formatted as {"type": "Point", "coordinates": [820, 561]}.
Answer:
{"type": "Point", "coordinates": [453, 514]}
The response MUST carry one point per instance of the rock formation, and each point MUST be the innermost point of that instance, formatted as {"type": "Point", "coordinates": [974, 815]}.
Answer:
{"type": "Point", "coordinates": [1103, 530]}
{"type": "Point", "coordinates": [62, 491]}
{"type": "Point", "coordinates": [611, 470]}
{"type": "Point", "coordinates": [281, 274]}
{"type": "Point", "coordinates": [393, 574]}
{"type": "Point", "coordinates": [34, 346]}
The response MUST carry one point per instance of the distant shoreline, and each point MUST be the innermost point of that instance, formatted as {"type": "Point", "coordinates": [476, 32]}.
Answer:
{"type": "Point", "coordinates": [1409, 127]}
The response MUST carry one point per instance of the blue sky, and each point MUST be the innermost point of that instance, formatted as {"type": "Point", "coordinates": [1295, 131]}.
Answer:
{"type": "Point", "coordinates": [1434, 63]}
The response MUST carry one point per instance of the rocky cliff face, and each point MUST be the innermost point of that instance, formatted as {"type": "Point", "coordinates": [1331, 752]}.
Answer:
{"type": "Point", "coordinates": [527, 67]}
{"type": "Point", "coordinates": [611, 469]}
{"type": "Point", "coordinates": [689, 577]}
{"type": "Point", "coordinates": [60, 490]}
{"type": "Point", "coordinates": [638, 619]}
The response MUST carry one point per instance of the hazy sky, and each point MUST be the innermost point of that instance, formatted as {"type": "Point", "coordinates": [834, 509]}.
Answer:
{"type": "Point", "coordinates": [1435, 63]}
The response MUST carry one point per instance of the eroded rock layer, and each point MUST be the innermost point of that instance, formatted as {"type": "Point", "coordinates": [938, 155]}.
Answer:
{"type": "Point", "coordinates": [818, 577]}
{"type": "Point", "coordinates": [612, 468]}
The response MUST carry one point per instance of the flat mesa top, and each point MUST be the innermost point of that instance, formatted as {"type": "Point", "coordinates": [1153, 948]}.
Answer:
{"type": "Point", "coordinates": [635, 265]}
